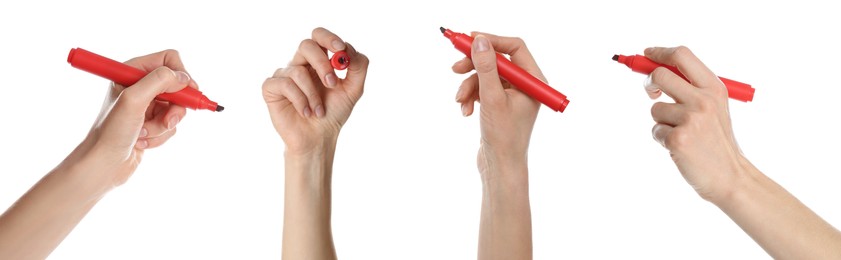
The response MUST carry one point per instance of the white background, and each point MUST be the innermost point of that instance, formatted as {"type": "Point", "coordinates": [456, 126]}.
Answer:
{"type": "Point", "coordinates": [405, 180]}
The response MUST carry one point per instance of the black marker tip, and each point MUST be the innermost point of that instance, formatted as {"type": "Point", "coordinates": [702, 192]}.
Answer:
{"type": "Point", "coordinates": [442, 29]}
{"type": "Point", "coordinates": [219, 108]}
{"type": "Point", "coordinates": [616, 57]}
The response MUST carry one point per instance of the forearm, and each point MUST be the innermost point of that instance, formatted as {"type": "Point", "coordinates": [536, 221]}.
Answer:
{"type": "Point", "coordinates": [777, 221]}
{"type": "Point", "coordinates": [505, 225]}
{"type": "Point", "coordinates": [35, 225]}
{"type": "Point", "coordinates": [306, 218]}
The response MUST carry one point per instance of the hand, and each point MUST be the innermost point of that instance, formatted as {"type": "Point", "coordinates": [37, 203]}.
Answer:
{"type": "Point", "coordinates": [507, 115]}
{"type": "Point", "coordinates": [696, 129]}
{"type": "Point", "coordinates": [131, 121]}
{"type": "Point", "coordinates": [307, 102]}
{"type": "Point", "coordinates": [506, 119]}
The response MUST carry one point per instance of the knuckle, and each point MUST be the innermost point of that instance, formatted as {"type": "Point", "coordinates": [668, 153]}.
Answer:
{"type": "Point", "coordinates": [131, 99]}
{"type": "Point", "coordinates": [691, 118]}
{"type": "Point", "coordinates": [519, 42]}
{"type": "Point", "coordinates": [297, 72]}
{"type": "Point", "coordinates": [278, 72]}
{"type": "Point", "coordinates": [719, 90]}
{"type": "Point", "coordinates": [682, 52]}
{"type": "Point", "coordinates": [171, 52]}
{"type": "Point", "coordinates": [164, 74]}
{"type": "Point", "coordinates": [706, 103]}
{"type": "Point", "coordinates": [304, 43]}
{"type": "Point", "coordinates": [268, 84]}
{"type": "Point", "coordinates": [656, 108]}
{"type": "Point", "coordinates": [677, 140]}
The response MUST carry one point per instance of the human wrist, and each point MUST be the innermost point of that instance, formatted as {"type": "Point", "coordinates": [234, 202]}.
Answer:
{"type": "Point", "coordinates": [321, 144]}
{"type": "Point", "coordinates": [87, 176]}
{"type": "Point", "coordinates": [310, 167]}
{"type": "Point", "coordinates": [504, 171]}
{"type": "Point", "coordinates": [746, 179]}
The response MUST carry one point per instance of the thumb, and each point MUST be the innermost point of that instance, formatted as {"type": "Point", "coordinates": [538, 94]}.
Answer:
{"type": "Point", "coordinates": [123, 123]}
{"type": "Point", "coordinates": [484, 60]}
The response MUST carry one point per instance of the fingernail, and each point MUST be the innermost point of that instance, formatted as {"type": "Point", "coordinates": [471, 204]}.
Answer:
{"type": "Point", "coordinates": [319, 111]}
{"type": "Point", "coordinates": [143, 132]}
{"type": "Point", "coordinates": [142, 144]}
{"type": "Point", "coordinates": [464, 109]}
{"type": "Point", "coordinates": [331, 79]}
{"type": "Point", "coordinates": [338, 45]}
{"type": "Point", "coordinates": [307, 112]}
{"type": "Point", "coordinates": [183, 77]}
{"type": "Point", "coordinates": [173, 121]}
{"type": "Point", "coordinates": [480, 43]}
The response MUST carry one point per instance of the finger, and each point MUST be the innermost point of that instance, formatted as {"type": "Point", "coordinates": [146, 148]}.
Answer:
{"type": "Point", "coordinates": [686, 62]}
{"type": "Point", "coordinates": [169, 58]}
{"type": "Point", "coordinates": [670, 83]}
{"type": "Point", "coordinates": [328, 40]}
{"type": "Point", "coordinates": [463, 66]}
{"type": "Point", "coordinates": [516, 48]}
{"type": "Point", "coordinates": [356, 72]}
{"type": "Point", "coordinates": [668, 113]}
{"type": "Point", "coordinates": [124, 123]}
{"type": "Point", "coordinates": [660, 132]}
{"type": "Point", "coordinates": [468, 88]}
{"type": "Point", "coordinates": [149, 143]}
{"type": "Point", "coordinates": [280, 89]}
{"type": "Point", "coordinates": [302, 78]}
{"type": "Point", "coordinates": [164, 119]}
{"type": "Point", "coordinates": [136, 99]}
{"type": "Point", "coordinates": [309, 53]}
{"type": "Point", "coordinates": [484, 59]}
{"type": "Point", "coordinates": [652, 90]}
{"type": "Point", "coordinates": [467, 108]}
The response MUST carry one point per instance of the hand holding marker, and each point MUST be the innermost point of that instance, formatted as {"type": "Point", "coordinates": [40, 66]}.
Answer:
{"type": "Point", "coordinates": [515, 75]}
{"type": "Point", "coordinates": [127, 75]}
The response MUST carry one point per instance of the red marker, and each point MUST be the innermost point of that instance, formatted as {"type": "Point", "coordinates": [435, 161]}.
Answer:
{"type": "Point", "coordinates": [514, 74]}
{"type": "Point", "coordinates": [340, 60]}
{"type": "Point", "coordinates": [127, 75]}
{"type": "Point", "coordinates": [638, 63]}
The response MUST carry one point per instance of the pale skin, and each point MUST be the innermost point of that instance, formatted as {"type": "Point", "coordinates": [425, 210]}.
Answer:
{"type": "Point", "coordinates": [697, 132]}
{"type": "Point", "coordinates": [506, 118]}
{"type": "Point", "coordinates": [308, 105]}
{"type": "Point", "coordinates": [130, 122]}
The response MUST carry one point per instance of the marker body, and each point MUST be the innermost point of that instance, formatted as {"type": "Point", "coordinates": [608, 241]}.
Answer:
{"type": "Point", "coordinates": [515, 75]}
{"type": "Point", "coordinates": [638, 63]}
{"type": "Point", "coordinates": [127, 75]}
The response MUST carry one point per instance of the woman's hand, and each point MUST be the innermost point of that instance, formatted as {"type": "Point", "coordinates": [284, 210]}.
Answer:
{"type": "Point", "coordinates": [131, 120]}
{"type": "Point", "coordinates": [696, 129]}
{"type": "Point", "coordinates": [507, 115]}
{"type": "Point", "coordinates": [307, 102]}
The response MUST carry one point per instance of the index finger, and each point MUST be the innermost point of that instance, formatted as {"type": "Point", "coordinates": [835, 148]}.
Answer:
{"type": "Point", "coordinates": [686, 62]}
{"type": "Point", "coordinates": [515, 48]}
{"type": "Point", "coordinates": [328, 40]}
